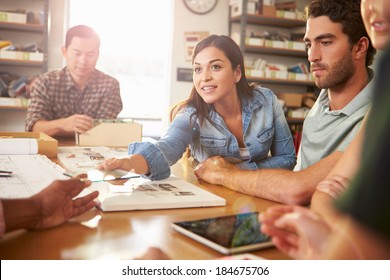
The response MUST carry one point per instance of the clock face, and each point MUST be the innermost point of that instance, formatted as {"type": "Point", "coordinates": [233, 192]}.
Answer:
{"type": "Point", "coordinates": [200, 6]}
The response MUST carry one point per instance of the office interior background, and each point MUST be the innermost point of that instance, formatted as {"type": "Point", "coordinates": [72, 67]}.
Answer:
{"type": "Point", "coordinates": [142, 45]}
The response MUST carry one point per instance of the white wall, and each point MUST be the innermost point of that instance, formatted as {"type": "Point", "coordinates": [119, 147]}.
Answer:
{"type": "Point", "coordinates": [57, 30]}
{"type": "Point", "coordinates": [215, 22]}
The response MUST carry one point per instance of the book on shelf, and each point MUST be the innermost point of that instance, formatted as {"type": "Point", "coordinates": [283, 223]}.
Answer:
{"type": "Point", "coordinates": [299, 68]}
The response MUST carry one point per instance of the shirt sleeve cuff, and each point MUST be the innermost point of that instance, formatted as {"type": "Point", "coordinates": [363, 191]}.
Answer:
{"type": "Point", "coordinates": [158, 164]}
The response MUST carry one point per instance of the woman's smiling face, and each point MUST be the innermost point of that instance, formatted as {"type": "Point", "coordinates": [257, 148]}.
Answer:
{"type": "Point", "coordinates": [213, 76]}
{"type": "Point", "coordinates": [377, 26]}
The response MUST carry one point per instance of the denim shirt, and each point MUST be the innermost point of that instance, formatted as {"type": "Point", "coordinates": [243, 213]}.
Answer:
{"type": "Point", "coordinates": [265, 132]}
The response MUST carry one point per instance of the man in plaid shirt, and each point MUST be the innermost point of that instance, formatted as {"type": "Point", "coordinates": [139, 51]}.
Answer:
{"type": "Point", "coordinates": [68, 100]}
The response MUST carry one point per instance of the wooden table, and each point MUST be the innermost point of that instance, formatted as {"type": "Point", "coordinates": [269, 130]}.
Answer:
{"type": "Point", "coordinates": [126, 235]}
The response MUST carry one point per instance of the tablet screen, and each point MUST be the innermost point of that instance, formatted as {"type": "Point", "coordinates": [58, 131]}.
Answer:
{"type": "Point", "coordinates": [230, 232]}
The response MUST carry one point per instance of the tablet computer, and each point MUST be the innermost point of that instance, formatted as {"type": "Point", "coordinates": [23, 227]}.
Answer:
{"type": "Point", "coordinates": [227, 234]}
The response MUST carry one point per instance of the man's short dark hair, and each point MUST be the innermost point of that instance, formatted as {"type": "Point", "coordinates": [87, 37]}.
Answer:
{"type": "Point", "coordinates": [82, 31]}
{"type": "Point", "coordinates": [347, 13]}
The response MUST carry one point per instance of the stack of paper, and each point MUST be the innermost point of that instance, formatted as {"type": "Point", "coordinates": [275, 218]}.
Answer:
{"type": "Point", "coordinates": [18, 146]}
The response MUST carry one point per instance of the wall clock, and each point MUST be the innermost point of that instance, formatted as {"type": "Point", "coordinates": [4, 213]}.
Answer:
{"type": "Point", "coordinates": [200, 7]}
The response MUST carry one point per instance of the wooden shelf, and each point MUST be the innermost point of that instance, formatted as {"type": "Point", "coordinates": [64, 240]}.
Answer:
{"type": "Point", "coordinates": [270, 21]}
{"type": "Point", "coordinates": [295, 120]}
{"type": "Point", "coordinates": [22, 27]}
{"type": "Point", "coordinates": [13, 103]}
{"type": "Point", "coordinates": [15, 62]}
{"type": "Point", "coordinates": [20, 34]}
{"type": "Point", "coordinates": [280, 81]}
{"type": "Point", "coordinates": [275, 51]}
{"type": "Point", "coordinates": [14, 108]}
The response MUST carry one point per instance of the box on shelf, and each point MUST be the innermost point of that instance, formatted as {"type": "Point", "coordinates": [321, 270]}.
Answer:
{"type": "Point", "coordinates": [268, 11]}
{"type": "Point", "coordinates": [286, 14]}
{"type": "Point", "coordinates": [19, 55]}
{"type": "Point", "coordinates": [299, 46]}
{"type": "Point", "coordinates": [291, 99]}
{"type": "Point", "coordinates": [14, 102]}
{"type": "Point", "coordinates": [254, 73]}
{"type": "Point", "coordinates": [112, 134]}
{"type": "Point", "coordinates": [298, 113]}
{"type": "Point", "coordinates": [13, 17]}
{"type": "Point", "coordinates": [236, 8]}
{"type": "Point", "coordinates": [271, 74]}
{"type": "Point", "coordinates": [275, 44]}
{"type": "Point", "coordinates": [297, 76]}
{"type": "Point", "coordinates": [297, 99]}
{"type": "Point", "coordinates": [259, 42]}
{"type": "Point", "coordinates": [46, 144]}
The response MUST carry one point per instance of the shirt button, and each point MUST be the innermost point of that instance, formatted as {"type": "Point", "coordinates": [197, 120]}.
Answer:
{"type": "Point", "coordinates": [248, 144]}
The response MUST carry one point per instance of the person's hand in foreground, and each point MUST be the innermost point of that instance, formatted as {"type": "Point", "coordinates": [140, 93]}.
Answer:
{"type": "Point", "coordinates": [52, 206]}
{"type": "Point", "coordinates": [296, 231]}
{"type": "Point", "coordinates": [334, 186]}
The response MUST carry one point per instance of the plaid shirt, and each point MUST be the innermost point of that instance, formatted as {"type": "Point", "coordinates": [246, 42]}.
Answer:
{"type": "Point", "coordinates": [54, 95]}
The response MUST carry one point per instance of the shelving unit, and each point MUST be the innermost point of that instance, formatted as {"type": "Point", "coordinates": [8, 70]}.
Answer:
{"type": "Point", "coordinates": [12, 111]}
{"type": "Point", "coordinates": [247, 22]}
{"type": "Point", "coordinates": [242, 25]}
{"type": "Point", "coordinates": [22, 33]}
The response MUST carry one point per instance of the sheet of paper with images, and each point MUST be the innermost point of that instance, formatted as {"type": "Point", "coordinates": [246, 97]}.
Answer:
{"type": "Point", "coordinates": [82, 159]}
{"type": "Point", "coordinates": [30, 174]}
{"type": "Point", "coordinates": [77, 160]}
{"type": "Point", "coordinates": [143, 194]}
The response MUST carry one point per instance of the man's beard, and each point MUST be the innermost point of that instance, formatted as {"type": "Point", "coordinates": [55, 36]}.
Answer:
{"type": "Point", "coordinates": [339, 73]}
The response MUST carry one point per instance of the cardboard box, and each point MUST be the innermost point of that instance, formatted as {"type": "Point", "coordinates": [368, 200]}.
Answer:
{"type": "Point", "coordinates": [255, 41]}
{"type": "Point", "coordinates": [286, 14]}
{"type": "Point", "coordinates": [291, 99]}
{"type": "Point", "coordinates": [13, 17]}
{"type": "Point", "coordinates": [293, 45]}
{"type": "Point", "coordinates": [111, 134]}
{"type": "Point", "coordinates": [268, 11]}
{"type": "Point", "coordinates": [46, 144]}
{"type": "Point", "coordinates": [297, 76]}
{"type": "Point", "coordinates": [272, 74]}
{"type": "Point", "coordinates": [236, 10]}
{"type": "Point", "coordinates": [251, 73]}
{"type": "Point", "coordinates": [18, 55]}
{"type": "Point", "coordinates": [275, 44]}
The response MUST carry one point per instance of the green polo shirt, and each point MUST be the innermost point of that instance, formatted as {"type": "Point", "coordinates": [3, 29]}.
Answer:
{"type": "Point", "coordinates": [325, 131]}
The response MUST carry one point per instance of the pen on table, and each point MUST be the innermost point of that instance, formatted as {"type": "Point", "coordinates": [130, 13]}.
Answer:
{"type": "Point", "coordinates": [5, 173]}
{"type": "Point", "coordinates": [104, 179]}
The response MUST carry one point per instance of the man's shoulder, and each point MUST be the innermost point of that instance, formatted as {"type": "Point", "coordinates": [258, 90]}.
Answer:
{"type": "Point", "coordinates": [101, 76]}
{"type": "Point", "coordinates": [54, 74]}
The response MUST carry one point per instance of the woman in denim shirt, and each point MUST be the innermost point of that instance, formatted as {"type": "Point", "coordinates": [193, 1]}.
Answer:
{"type": "Point", "coordinates": [223, 116]}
